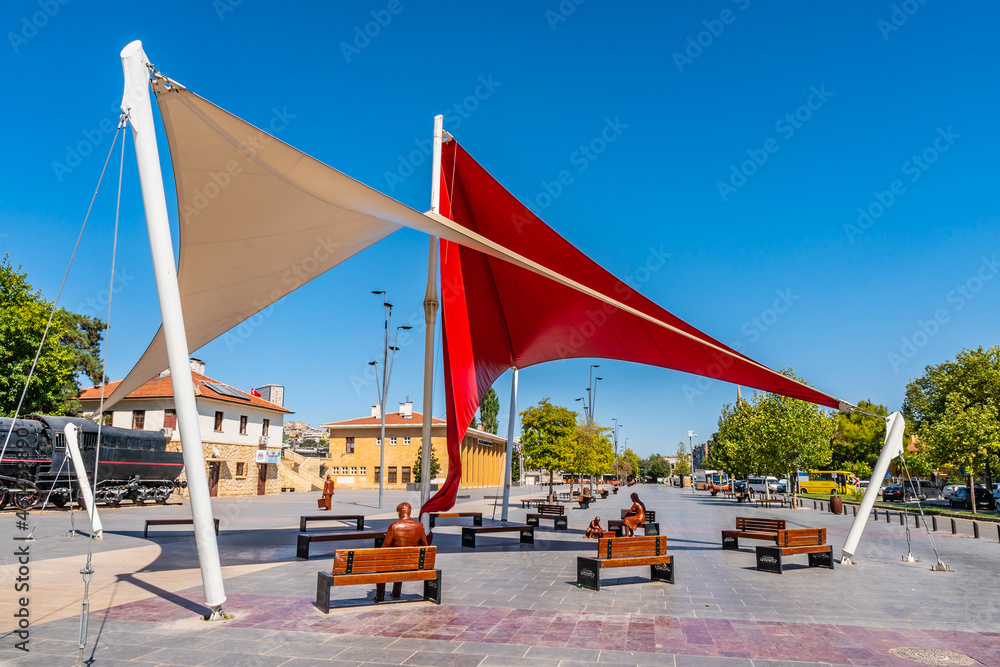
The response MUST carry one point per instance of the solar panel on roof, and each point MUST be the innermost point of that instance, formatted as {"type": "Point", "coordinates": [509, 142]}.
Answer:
{"type": "Point", "coordinates": [223, 390]}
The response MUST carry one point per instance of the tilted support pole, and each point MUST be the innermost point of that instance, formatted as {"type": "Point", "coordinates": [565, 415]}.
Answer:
{"type": "Point", "coordinates": [136, 104]}
{"type": "Point", "coordinates": [97, 528]}
{"type": "Point", "coordinates": [512, 420]}
{"type": "Point", "coordinates": [893, 447]}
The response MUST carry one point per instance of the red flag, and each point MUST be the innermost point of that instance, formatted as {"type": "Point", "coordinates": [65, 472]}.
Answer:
{"type": "Point", "coordinates": [254, 392]}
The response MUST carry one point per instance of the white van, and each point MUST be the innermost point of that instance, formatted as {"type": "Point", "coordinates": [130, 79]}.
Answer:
{"type": "Point", "coordinates": [756, 484]}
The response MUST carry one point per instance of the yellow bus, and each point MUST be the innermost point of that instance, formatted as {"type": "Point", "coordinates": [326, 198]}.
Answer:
{"type": "Point", "coordinates": [825, 481]}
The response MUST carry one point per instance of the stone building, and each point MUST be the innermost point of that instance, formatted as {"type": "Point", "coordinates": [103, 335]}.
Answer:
{"type": "Point", "coordinates": [241, 433]}
{"type": "Point", "coordinates": [354, 451]}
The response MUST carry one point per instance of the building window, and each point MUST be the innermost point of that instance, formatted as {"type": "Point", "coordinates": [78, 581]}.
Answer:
{"type": "Point", "coordinates": [241, 469]}
{"type": "Point", "coordinates": [265, 427]}
{"type": "Point", "coordinates": [350, 446]}
{"type": "Point", "coordinates": [392, 475]}
{"type": "Point", "coordinates": [406, 474]}
{"type": "Point", "coordinates": [169, 418]}
{"type": "Point", "coordinates": [218, 421]}
{"type": "Point", "coordinates": [243, 424]}
{"type": "Point", "coordinates": [138, 419]}
{"type": "Point", "coordinates": [406, 440]}
{"type": "Point", "coordinates": [354, 470]}
{"type": "Point", "coordinates": [392, 441]}
{"type": "Point", "coordinates": [378, 441]}
{"type": "Point", "coordinates": [378, 474]}
{"type": "Point", "coordinates": [108, 418]}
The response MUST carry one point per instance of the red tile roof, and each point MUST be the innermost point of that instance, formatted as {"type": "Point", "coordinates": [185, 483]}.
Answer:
{"type": "Point", "coordinates": [391, 419]}
{"type": "Point", "coordinates": [161, 387]}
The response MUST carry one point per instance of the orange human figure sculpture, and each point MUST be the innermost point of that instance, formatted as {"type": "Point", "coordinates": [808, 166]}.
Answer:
{"type": "Point", "coordinates": [405, 532]}
{"type": "Point", "coordinates": [324, 502]}
{"type": "Point", "coordinates": [635, 516]}
{"type": "Point", "coordinates": [594, 530]}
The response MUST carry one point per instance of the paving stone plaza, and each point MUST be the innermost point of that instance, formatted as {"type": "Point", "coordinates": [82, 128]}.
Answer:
{"type": "Point", "coordinates": [503, 603]}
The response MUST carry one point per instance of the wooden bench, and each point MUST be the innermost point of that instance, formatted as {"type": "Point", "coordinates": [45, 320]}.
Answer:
{"type": "Point", "coordinates": [555, 512]}
{"type": "Point", "coordinates": [172, 522]}
{"type": "Point", "coordinates": [528, 502]}
{"type": "Point", "coordinates": [811, 541]}
{"type": "Point", "coordinates": [526, 533]}
{"type": "Point", "coordinates": [752, 528]}
{"type": "Point", "coordinates": [306, 539]}
{"type": "Point", "coordinates": [648, 529]}
{"type": "Point", "coordinates": [767, 502]}
{"type": "Point", "coordinates": [380, 566]}
{"type": "Point", "coordinates": [359, 518]}
{"type": "Point", "coordinates": [477, 517]}
{"type": "Point", "coordinates": [650, 515]}
{"type": "Point", "coordinates": [626, 552]}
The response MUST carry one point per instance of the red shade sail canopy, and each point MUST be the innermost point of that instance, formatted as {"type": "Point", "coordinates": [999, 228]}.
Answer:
{"type": "Point", "coordinates": [496, 315]}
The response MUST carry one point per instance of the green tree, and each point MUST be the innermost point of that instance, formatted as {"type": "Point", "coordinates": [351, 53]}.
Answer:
{"type": "Point", "coordinates": [594, 451]}
{"type": "Point", "coordinates": [632, 459]}
{"type": "Point", "coordinates": [488, 410]}
{"type": "Point", "coordinates": [657, 466]}
{"type": "Point", "coordinates": [418, 465]}
{"type": "Point", "coordinates": [683, 465]}
{"type": "Point", "coordinates": [515, 464]}
{"type": "Point", "coordinates": [955, 409]}
{"type": "Point", "coordinates": [71, 349]}
{"type": "Point", "coordinates": [736, 447]}
{"type": "Point", "coordinates": [548, 434]}
{"type": "Point", "coordinates": [858, 439]}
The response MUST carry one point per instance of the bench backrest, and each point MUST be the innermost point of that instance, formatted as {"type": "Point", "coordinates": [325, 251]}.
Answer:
{"type": "Point", "coordinates": [801, 537]}
{"type": "Point", "coordinates": [631, 547]}
{"type": "Point", "coordinates": [759, 525]}
{"type": "Point", "coordinates": [551, 509]}
{"type": "Point", "coordinates": [650, 515]}
{"type": "Point", "coordinates": [387, 559]}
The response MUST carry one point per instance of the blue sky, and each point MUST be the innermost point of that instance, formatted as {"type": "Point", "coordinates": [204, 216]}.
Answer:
{"type": "Point", "coordinates": [750, 136]}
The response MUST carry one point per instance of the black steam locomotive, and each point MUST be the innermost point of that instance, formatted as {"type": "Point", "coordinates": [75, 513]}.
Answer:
{"type": "Point", "coordinates": [134, 465]}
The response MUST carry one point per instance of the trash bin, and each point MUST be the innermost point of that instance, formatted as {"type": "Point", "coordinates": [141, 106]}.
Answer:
{"type": "Point", "coordinates": [836, 503]}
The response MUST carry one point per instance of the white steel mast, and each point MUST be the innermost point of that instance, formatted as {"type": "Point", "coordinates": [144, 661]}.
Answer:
{"type": "Point", "coordinates": [137, 106]}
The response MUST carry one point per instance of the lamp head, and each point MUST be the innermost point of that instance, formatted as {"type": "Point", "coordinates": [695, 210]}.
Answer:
{"type": "Point", "coordinates": [372, 363]}
{"type": "Point", "coordinates": [378, 291]}
{"type": "Point", "coordinates": [404, 327]}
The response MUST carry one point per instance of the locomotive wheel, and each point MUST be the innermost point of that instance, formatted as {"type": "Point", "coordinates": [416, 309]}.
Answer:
{"type": "Point", "coordinates": [138, 500]}
{"type": "Point", "coordinates": [58, 501]}
{"type": "Point", "coordinates": [25, 500]}
{"type": "Point", "coordinates": [161, 501]}
{"type": "Point", "coordinates": [4, 496]}
{"type": "Point", "coordinates": [114, 502]}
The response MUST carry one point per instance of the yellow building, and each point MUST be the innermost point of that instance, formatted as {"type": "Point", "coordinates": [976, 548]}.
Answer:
{"type": "Point", "coordinates": [354, 451]}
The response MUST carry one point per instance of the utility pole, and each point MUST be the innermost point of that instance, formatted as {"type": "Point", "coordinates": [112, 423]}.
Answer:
{"type": "Point", "coordinates": [691, 435]}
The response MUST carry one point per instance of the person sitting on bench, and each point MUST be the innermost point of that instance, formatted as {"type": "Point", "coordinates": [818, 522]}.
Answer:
{"type": "Point", "coordinates": [594, 530]}
{"type": "Point", "coordinates": [406, 532]}
{"type": "Point", "coordinates": [635, 517]}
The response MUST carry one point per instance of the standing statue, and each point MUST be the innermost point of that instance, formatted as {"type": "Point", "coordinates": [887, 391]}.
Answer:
{"type": "Point", "coordinates": [635, 516]}
{"type": "Point", "coordinates": [324, 502]}
{"type": "Point", "coordinates": [406, 532]}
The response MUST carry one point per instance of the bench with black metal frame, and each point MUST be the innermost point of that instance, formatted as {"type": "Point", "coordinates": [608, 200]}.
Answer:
{"type": "Point", "coordinates": [810, 541]}
{"type": "Point", "coordinates": [477, 517]}
{"type": "Point", "coordinates": [626, 552]}
{"type": "Point", "coordinates": [752, 528]}
{"type": "Point", "coordinates": [305, 540]}
{"type": "Point", "coordinates": [358, 518]}
{"type": "Point", "coordinates": [651, 527]}
{"type": "Point", "coordinates": [767, 502]}
{"type": "Point", "coordinates": [525, 533]}
{"type": "Point", "coordinates": [555, 512]}
{"type": "Point", "coordinates": [380, 566]}
{"type": "Point", "coordinates": [172, 522]}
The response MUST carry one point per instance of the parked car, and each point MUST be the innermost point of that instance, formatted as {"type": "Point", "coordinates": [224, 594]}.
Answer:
{"type": "Point", "coordinates": [949, 489]}
{"type": "Point", "coordinates": [863, 485]}
{"type": "Point", "coordinates": [757, 484]}
{"type": "Point", "coordinates": [961, 498]}
{"type": "Point", "coordinates": [782, 485]}
{"type": "Point", "coordinates": [893, 493]}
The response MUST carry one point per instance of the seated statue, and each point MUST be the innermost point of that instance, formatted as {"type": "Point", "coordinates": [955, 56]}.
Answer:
{"type": "Point", "coordinates": [405, 532]}
{"type": "Point", "coordinates": [594, 530]}
{"type": "Point", "coordinates": [635, 516]}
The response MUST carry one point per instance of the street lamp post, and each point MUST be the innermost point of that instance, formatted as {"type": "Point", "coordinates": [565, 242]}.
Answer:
{"type": "Point", "coordinates": [383, 387]}
{"type": "Point", "coordinates": [617, 426]}
{"type": "Point", "coordinates": [691, 435]}
{"type": "Point", "coordinates": [589, 412]}
{"type": "Point", "coordinates": [593, 399]}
